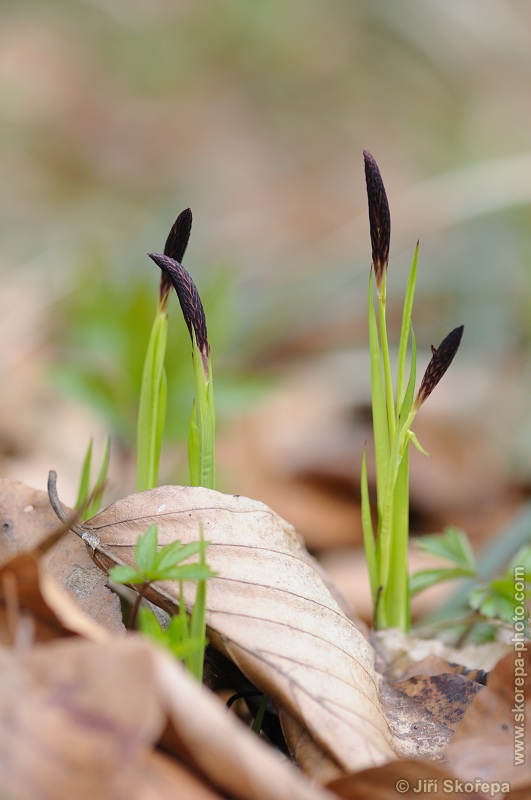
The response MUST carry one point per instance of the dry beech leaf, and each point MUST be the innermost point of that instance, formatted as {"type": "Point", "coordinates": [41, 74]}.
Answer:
{"type": "Point", "coordinates": [158, 777]}
{"type": "Point", "coordinates": [73, 723]}
{"type": "Point", "coordinates": [310, 757]}
{"type": "Point", "coordinates": [26, 518]}
{"type": "Point", "coordinates": [400, 654]}
{"type": "Point", "coordinates": [435, 665]}
{"type": "Point", "coordinates": [33, 608]}
{"type": "Point", "coordinates": [268, 611]}
{"type": "Point", "coordinates": [485, 742]}
{"type": "Point", "coordinates": [220, 747]}
{"type": "Point", "coordinates": [417, 732]}
{"type": "Point", "coordinates": [445, 696]}
{"type": "Point", "coordinates": [406, 778]}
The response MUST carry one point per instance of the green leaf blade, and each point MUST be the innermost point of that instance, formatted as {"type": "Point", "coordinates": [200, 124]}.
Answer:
{"type": "Point", "coordinates": [367, 527]}
{"type": "Point", "coordinates": [451, 545]}
{"type": "Point", "coordinates": [404, 333]}
{"type": "Point", "coordinates": [126, 574]}
{"type": "Point", "coordinates": [379, 410]}
{"type": "Point", "coordinates": [152, 405]}
{"type": "Point", "coordinates": [425, 578]}
{"type": "Point", "coordinates": [146, 550]}
{"type": "Point", "coordinates": [84, 481]}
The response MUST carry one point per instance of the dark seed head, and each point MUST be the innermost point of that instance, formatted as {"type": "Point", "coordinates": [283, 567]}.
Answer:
{"type": "Point", "coordinates": [379, 217]}
{"type": "Point", "coordinates": [175, 248]}
{"type": "Point", "coordinates": [178, 237]}
{"type": "Point", "coordinates": [191, 305]}
{"type": "Point", "coordinates": [441, 359]}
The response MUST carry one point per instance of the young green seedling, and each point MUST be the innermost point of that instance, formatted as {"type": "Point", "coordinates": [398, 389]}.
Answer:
{"type": "Point", "coordinates": [186, 635]}
{"type": "Point", "coordinates": [152, 406]}
{"type": "Point", "coordinates": [393, 413]}
{"type": "Point", "coordinates": [88, 501]}
{"type": "Point", "coordinates": [203, 421]}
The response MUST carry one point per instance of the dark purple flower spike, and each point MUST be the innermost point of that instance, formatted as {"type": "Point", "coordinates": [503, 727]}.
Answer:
{"type": "Point", "coordinates": [191, 305]}
{"type": "Point", "coordinates": [441, 359]}
{"type": "Point", "coordinates": [175, 248]}
{"type": "Point", "coordinates": [379, 218]}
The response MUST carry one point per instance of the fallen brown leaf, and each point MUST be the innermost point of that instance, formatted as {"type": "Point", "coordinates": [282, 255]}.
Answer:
{"type": "Point", "coordinates": [406, 778]}
{"type": "Point", "coordinates": [418, 733]}
{"type": "Point", "coordinates": [310, 757]}
{"type": "Point", "coordinates": [268, 610]}
{"type": "Point", "coordinates": [445, 696]}
{"type": "Point", "coordinates": [33, 608]}
{"type": "Point", "coordinates": [73, 723]}
{"type": "Point", "coordinates": [435, 665]}
{"type": "Point", "coordinates": [486, 742]}
{"type": "Point", "coordinates": [26, 518]}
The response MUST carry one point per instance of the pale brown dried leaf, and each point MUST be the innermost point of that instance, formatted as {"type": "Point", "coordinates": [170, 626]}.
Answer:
{"type": "Point", "coordinates": [220, 748]}
{"type": "Point", "coordinates": [34, 608]}
{"type": "Point", "coordinates": [311, 758]}
{"type": "Point", "coordinates": [408, 778]}
{"type": "Point", "coordinates": [73, 723]}
{"type": "Point", "coordinates": [268, 610]}
{"type": "Point", "coordinates": [484, 744]}
{"type": "Point", "coordinates": [417, 733]}
{"type": "Point", "coordinates": [445, 696]}
{"type": "Point", "coordinates": [26, 518]}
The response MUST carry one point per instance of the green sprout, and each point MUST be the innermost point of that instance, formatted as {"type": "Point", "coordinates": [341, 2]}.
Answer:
{"type": "Point", "coordinates": [393, 412]}
{"type": "Point", "coordinates": [185, 636]}
{"type": "Point", "coordinates": [153, 391]}
{"type": "Point", "coordinates": [203, 420]}
{"type": "Point", "coordinates": [88, 501]}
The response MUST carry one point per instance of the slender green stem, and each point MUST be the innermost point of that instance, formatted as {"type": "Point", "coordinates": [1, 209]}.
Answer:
{"type": "Point", "coordinates": [379, 413]}
{"type": "Point", "coordinates": [388, 380]}
{"type": "Point", "coordinates": [396, 597]}
{"type": "Point", "coordinates": [368, 531]}
{"type": "Point", "coordinates": [400, 444]}
{"type": "Point", "coordinates": [201, 437]}
{"type": "Point", "coordinates": [198, 618]}
{"type": "Point", "coordinates": [259, 719]}
{"type": "Point", "coordinates": [152, 407]}
{"type": "Point", "coordinates": [404, 333]}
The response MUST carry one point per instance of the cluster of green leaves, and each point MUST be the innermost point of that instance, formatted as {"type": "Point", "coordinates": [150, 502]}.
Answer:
{"type": "Point", "coordinates": [392, 417]}
{"type": "Point", "coordinates": [185, 635]}
{"type": "Point", "coordinates": [393, 412]}
{"type": "Point", "coordinates": [492, 599]}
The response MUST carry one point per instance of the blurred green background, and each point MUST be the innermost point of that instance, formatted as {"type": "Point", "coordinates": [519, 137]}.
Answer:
{"type": "Point", "coordinates": [117, 114]}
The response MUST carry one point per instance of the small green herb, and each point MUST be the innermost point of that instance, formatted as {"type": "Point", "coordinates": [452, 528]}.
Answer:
{"type": "Point", "coordinates": [493, 599]}
{"type": "Point", "coordinates": [452, 545]}
{"type": "Point", "coordinates": [185, 635]}
{"type": "Point", "coordinates": [175, 638]}
{"type": "Point", "coordinates": [152, 564]}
